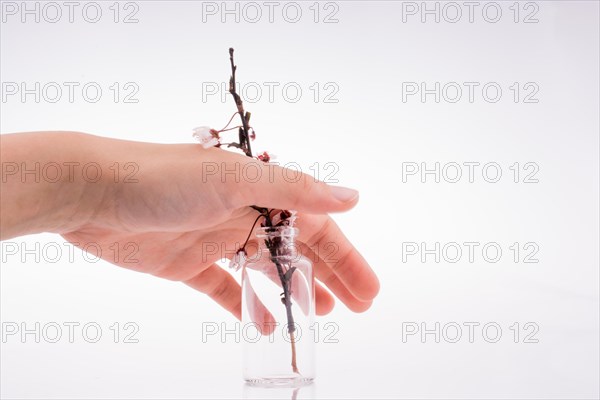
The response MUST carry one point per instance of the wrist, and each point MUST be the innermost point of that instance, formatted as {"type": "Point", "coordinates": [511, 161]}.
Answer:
{"type": "Point", "coordinates": [46, 187]}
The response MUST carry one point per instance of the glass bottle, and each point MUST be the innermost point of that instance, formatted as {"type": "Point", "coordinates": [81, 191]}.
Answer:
{"type": "Point", "coordinates": [278, 292]}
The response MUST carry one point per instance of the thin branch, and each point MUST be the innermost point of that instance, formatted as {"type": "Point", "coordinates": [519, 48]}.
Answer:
{"type": "Point", "coordinates": [240, 107]}
{"type": "Point", "coordinates": [230, 129]}
{"type": "Point", "coordinates": [229, 122]}
{"type": "Point", "coordinates": [251, 229]}
{"type": "Point", "coordinates": [272, 245]}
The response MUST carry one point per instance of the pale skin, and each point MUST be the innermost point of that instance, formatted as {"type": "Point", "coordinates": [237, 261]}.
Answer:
{"type": "Point", "coordinates": [180, 203]}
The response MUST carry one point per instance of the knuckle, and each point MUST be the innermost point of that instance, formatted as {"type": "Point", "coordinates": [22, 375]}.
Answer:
{"type": "Point", "coordinates": [220, 290]}
{"type": "Point", "coordinates": [338, 263]}
{"type": "Point", "coordinates": [320, 234]}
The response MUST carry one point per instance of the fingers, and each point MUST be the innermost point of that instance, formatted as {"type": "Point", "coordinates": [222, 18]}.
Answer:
{"type": "Point", "coordinates": [264, 320]}
{"type": "Point", "coordinates": [275, 187]}
{"type": "Point", "coordinates": [224, 289]}
{"type": "Point", "coordinates": [324, 300]}
{"type": "Point", "coordinates": [220, 286]}
{"type": "Point", "coordinates": [344, 264]}
{"type": "Point", "coordinates": [326, 275]}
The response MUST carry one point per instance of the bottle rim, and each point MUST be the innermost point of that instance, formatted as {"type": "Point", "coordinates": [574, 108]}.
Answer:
{"type": "Point", "coordinates": [276, 231]}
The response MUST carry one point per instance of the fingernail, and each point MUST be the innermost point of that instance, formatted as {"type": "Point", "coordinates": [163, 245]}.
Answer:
{"type": "Point", "coordinates": [343, 194]}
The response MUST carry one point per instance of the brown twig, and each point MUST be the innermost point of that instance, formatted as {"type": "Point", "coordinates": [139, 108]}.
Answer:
{"type": "Point", "coordinates": [272, 245]}
{"type": "Point", "coordinates": [244, 131]}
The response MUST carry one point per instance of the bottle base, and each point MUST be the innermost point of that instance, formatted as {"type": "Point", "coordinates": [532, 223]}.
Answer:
{"type": "Point", "coordinates": [280, 381]}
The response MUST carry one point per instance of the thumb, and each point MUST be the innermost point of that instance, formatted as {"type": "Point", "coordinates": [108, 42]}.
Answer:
{"type": "Point", "coordinates": [282, 188]}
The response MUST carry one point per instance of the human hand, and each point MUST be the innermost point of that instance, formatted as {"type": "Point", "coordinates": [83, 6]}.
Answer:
{"type": "Point", "coordinates": [181, 198]}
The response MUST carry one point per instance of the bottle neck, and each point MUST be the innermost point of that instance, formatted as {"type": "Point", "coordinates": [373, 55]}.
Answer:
{"type": "Point", "coordinates": [287, 233]}
{"type": "Point", "coordinates": [277, 242]}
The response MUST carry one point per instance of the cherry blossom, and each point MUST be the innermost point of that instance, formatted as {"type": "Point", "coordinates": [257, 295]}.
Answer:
{"type": "Point", "coordinates": [266, 157]}
{"type": "Point", "coordinates": [239, 260]}
{"type": "Point", "coordinates": [207, 136]}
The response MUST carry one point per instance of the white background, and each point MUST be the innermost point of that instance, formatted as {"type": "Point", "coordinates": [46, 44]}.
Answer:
{"type": "Point", "coordinates": [369, 133]}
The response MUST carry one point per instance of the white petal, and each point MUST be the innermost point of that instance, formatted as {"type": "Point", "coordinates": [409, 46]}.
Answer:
{"type": "Point", "coordinates": [212, 142]}
{"type": "Point", "coordinates": [238, 260]}
{"type": "Point", "coordinates": [242, 258]}
{"type": "Point", "coordinates": [202, 133]}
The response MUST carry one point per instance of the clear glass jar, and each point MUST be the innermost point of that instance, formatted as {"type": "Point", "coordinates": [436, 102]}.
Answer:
{"type": "Point", "coordinates": [278, 311]}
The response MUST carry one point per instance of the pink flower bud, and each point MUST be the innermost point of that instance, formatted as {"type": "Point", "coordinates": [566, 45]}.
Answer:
{"type": "Point", "coordinates": [265, 157]}
{"type": "Point", "coordinates": [239, 260]}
